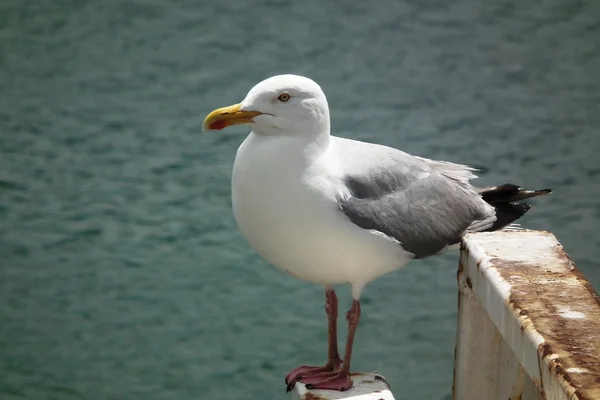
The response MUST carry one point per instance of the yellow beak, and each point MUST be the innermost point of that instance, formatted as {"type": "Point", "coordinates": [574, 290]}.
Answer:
{"type": "Point", "coordinates": [223, 117]}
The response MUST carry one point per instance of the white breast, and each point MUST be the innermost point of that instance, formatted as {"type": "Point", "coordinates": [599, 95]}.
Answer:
{"type": "Point", "coordinates": [285, 205]}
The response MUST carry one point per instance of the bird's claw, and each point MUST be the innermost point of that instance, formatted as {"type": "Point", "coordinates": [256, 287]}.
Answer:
{"type": "Point", "coordinates": [305, 372]}
{"type": "Point", "coordinates": [340, 381]}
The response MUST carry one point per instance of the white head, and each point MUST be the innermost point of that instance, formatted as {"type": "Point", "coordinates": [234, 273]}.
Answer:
{"type": "Point", "coordinates": [283, 105]}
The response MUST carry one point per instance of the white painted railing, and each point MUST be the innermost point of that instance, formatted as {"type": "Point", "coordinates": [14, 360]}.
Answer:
{"type": "Point", "coordinates": [528, 321]}
{"type": "Point", "coordinates": [528, 325]}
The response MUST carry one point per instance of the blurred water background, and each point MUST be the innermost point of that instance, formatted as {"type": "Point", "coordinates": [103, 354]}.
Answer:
{"type": "Point", "coordinates": [122, 273]}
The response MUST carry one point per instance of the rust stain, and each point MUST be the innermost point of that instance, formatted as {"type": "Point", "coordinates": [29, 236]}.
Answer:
{"type": "Point", "coordinates": [455, 354]}
{"type": "Point", "coordinates": [459, 299]}
{"type": "Point", "coordinates": [380, 378]}
{"type": "Point", "coordinates": [310, 396]}
{"type": "Point", "coordinates": [538, 297]}
{"type": "Point", "coordinates": [461, 269]}
{"type": "Point", "coordinates": [479, 264]}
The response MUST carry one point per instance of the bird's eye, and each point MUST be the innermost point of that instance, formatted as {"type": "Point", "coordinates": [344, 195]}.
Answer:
{"type": "Point", "coordinates": [283, 97]}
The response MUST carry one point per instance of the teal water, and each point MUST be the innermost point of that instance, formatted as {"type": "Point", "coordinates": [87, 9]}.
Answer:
{"type": "Point", "coordinates": [122, 274]}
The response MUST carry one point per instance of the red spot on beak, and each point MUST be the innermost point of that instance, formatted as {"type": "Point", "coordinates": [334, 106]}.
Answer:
{"type": "Point", "coordinates": [218, 125]}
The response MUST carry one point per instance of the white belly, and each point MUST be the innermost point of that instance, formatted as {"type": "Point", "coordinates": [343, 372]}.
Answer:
{"type": "Point", "coordinates": [287, 211]}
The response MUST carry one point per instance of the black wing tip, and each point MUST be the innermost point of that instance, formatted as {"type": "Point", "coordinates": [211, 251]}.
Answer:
{"type": "Point", "coordinates": [509, 187]}
{"type": "Point", "coordinates": [525, 194]}
{"type": "Point", "coordinates": [507, 201]}
{"type": "Point", "coordinates": [509, 193]}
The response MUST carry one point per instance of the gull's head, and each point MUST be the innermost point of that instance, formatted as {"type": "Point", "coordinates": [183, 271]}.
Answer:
{"type": "Point", "coordinates": [284, 105]}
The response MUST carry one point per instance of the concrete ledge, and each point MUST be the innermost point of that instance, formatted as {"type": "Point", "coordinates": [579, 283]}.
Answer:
{"type": "Point", "coordinates": [528, 323]}
{"type": "Point", "coordinates": [367, 386]}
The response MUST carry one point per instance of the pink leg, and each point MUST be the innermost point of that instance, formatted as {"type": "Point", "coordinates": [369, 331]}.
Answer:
{"type": "Point", "coordinates": [333, 357]}
{"type": "Point", "coordinates": [339, 380]}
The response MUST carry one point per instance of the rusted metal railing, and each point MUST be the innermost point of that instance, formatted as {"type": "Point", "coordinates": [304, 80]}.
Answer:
{"type": "Point", "coordinates": [528, 321]}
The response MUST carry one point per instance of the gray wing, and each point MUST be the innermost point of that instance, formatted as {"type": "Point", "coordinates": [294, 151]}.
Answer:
{"type": "Point", "coordinates": [425, 205]}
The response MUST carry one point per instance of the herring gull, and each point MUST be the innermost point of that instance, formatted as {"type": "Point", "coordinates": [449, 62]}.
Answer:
{"type": "Point", "coordinates": [331, 210]}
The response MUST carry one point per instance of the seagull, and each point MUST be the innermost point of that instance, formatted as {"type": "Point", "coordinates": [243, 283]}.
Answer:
{"type": "Point", "coordinates": [330, 210]}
